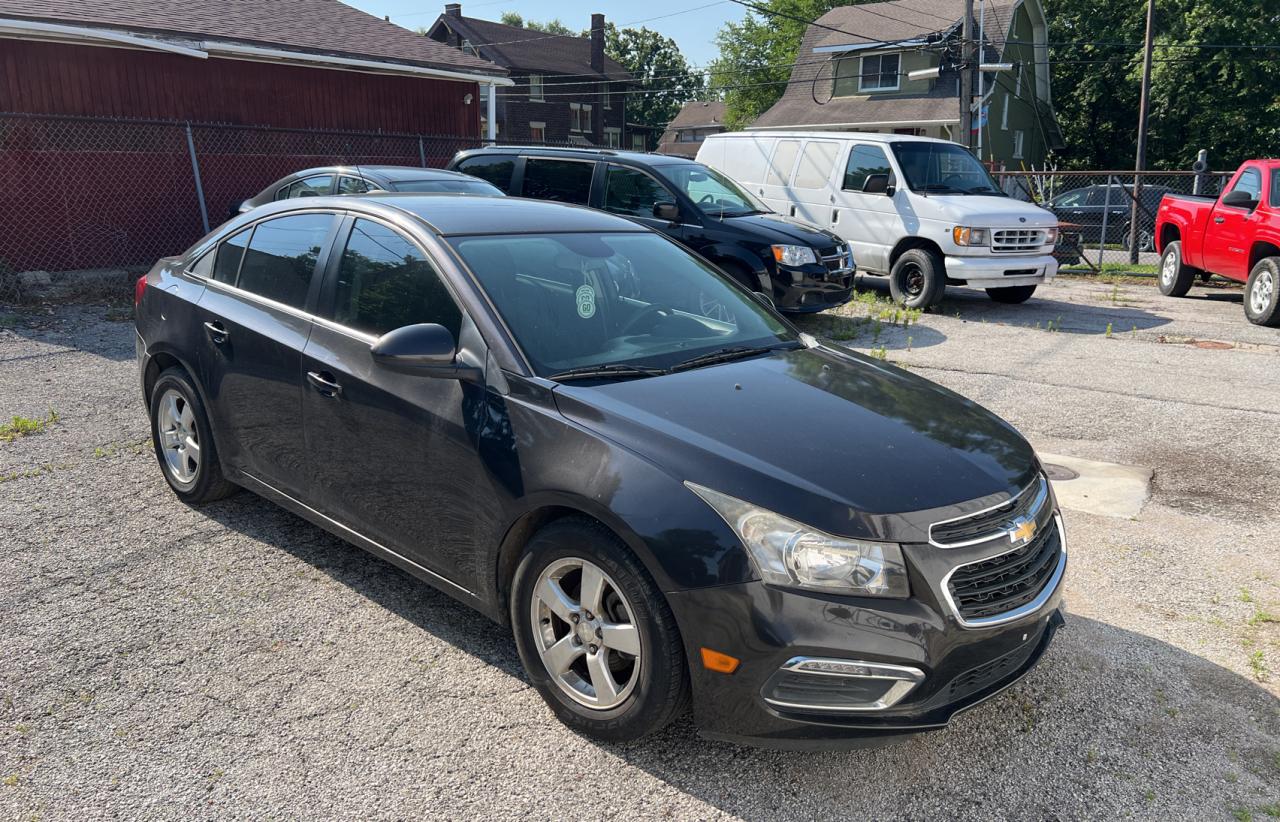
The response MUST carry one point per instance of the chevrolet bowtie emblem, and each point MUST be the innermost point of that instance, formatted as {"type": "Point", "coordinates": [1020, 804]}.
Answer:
{"type": "Point", "coordinates": [1022, 531]}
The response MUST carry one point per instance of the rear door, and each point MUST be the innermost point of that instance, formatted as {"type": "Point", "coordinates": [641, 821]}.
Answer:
{"type": "Point", "coordinates": [558, 180]}
{"type": "Point", "coordinates": [871, 223]}
{"type": "Point", "coordinates": [1227, 235]}
{"type": "Point", "coordinates": [255, 323]}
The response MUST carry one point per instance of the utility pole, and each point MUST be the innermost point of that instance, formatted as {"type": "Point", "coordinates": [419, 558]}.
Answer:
{"type": "Point", "coordinates": [1140, 163]}
{"type": "Point", "coordinates": [967, 68]}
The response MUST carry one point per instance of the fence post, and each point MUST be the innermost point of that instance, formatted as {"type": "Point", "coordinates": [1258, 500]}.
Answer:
{"type": "Point", "coordinates": [422, 152]}
{"type": "Point", "coordinates": [1106, 209]}
{"type": "Point", "coordinates": [1200, 166]}
{"type": "Point", "coordinates": [195, 172]}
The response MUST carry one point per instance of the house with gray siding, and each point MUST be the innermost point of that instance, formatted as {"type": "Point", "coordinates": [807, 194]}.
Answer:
{"type": "Point", "coordinates": [851, 74]}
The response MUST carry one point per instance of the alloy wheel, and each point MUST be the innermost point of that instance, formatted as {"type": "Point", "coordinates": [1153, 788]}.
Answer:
{"type": "Point", "coordinates": [1264, 285]}
{"type": "Point", "coordinates": [1168, 269]}
{"type": "Point", "coordinates": [584, 633]}
{"type": "Point", "coordinates": [179, 436]}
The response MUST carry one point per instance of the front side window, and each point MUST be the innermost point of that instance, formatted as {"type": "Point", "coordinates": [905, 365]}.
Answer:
{"type": "Point", "coordinates": [1250, 182]}
{"type": "Point", "coordinates": [713, 193]}
{"type": "Point", "coordinates": [633, 193]}
{"type": "Point", "coordinates": [353, 185]}
{"type": "Point", "coordinates": [281, 257]}
{"type": "Point", "coordinates": [1080, 198]}
{"type": "Point", "coordinates": [943, 168]}
{"type": "Point", "coordinates": [385, 282]}
{"type": "Point", "coordinates": [587, 300]}
{"type": "Point", "coordinates": [879, 72]}
{"type": "Point", "coordinates": [495, 168]}
{"type": "Point", "coordinates": [316, 186]}
{"type": "Point", "coordinates": [863, 162]}
{"type": "Point", "coordinates": [226, 264]}
{"type": "Point", "coordinates": [564, 181]}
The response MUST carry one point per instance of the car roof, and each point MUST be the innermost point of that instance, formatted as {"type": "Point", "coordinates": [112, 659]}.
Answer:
{"type": "Point", "coordinates": [394, 173]}
{"type": "Point", "coordinates": [862, 136]}
{"type": "Point", "coordinates": [616, 155]}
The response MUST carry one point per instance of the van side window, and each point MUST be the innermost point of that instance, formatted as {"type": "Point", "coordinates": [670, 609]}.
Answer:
{"type": "Point", "coordinates": [816, 164]}
{"type": "Point", "coordinates": [281, 257]}
{"type": "Point", "coordinates": [631, 192]}
{"type": "Point", "coordinates": [563, 181]}
{"type": "Point", "coordinates": [783, 160]}
{"type": "Point", "coordinates": [863, 162]}
{"type": "Point", "coordinates": [496, 168]}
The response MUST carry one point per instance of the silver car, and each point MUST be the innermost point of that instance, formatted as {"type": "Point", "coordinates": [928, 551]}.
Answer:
{"type": "Point", "coordinates": [326, 180]}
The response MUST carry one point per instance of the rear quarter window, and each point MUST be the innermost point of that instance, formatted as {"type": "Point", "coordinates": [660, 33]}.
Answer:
{"type": "Point", "coordinates": [495, 168]}
{"type": "Point", "coordinates": [561, 181]}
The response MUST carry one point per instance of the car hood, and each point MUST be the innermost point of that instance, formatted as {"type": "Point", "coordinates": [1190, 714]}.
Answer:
{"type": "Point", "coordinates": [992, 212]}
{"type": "Point", "coordinates": [833, 439]}
{"type": "Point", "coordinates": [781, 229]}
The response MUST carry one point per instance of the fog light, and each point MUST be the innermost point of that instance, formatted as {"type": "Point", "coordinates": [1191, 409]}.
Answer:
{"type": "Point", "coordinates": [809, 684]}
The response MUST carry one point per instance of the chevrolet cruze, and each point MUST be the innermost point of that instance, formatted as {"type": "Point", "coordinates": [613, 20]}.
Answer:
{"type": "Point", "coordinates": [533, 407]}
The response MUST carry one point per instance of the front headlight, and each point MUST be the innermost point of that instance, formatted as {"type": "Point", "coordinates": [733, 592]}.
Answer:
{"type": "Point", "coordinates": [1051, 235]}
{"type": "Point", "coordinates": [794, 255]}
{"type": "Point", "coordinates": [786, 552]}
{"type": "Point", "coordinates": [963, 235]}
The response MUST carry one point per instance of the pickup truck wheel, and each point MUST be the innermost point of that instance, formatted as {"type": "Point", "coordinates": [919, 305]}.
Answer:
{"type": "Point", "coordinates": [918, 278]}
{"type": "Point", "coordinates": [1176, 276]}
{"type": "Point", "coordinates": [1262, 293]}
{"type": "Point", "coordinates": [1012, 295]}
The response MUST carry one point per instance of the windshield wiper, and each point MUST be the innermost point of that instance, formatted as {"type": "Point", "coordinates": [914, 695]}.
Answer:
{"type": "Point", "coordinates": [941, 187]}
{"type": "Point", "coordinates": [616, 369]}
{"type": "Point", "coordinates": [986, 190]}
{"type": "Point", "coordinates": [722, 355]}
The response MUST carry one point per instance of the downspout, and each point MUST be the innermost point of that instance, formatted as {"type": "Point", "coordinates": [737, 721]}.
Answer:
{"type": "Point", "coordinates": [492, 128]}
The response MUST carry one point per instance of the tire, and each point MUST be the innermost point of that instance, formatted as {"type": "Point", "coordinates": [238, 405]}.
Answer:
{"type": "Point", "coordinates": [1262, 293]}
{"type": "Point", "coordinates": [650, 688]}
{"type": "Point", "coordinates": [1175, 277]}
{"type": "Point", "coordinates": [918, 278]}
{"type": "Point", "coordinates": [178, 416]}
{"type": "Point", "coordinates": [1011, 295]}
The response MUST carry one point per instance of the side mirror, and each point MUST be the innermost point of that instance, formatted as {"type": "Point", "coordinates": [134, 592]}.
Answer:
{"type": "Point", "coordinates": [426, 348]}
{"type": "Point", "coordinates": [666, 211]}
{"type": "Point", "coordinates": [877, 184]}
{"type": "Point", "coordinates": [764, 298]}
{"type": "Point", "coordinates": [1239, 199]}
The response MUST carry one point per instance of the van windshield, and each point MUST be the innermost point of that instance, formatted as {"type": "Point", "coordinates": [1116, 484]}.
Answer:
{"type": "Point", "coordinates": [943, 168]}
{"type": "Point", "coordinates": [714, 193]}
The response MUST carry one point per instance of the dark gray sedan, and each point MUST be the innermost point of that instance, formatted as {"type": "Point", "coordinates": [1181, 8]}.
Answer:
{"type": "Point", "coordinates": [326, 180]}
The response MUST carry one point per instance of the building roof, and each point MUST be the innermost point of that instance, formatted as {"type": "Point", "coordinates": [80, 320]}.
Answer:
{"type": "Point", "coordinates": [531, 50]}
{"type": "Point", "coordinates": [698, 114]}
{"type": "Point", "coordinates": [871, 24]}
{"type": "Point", "coordinates": [320, 27]}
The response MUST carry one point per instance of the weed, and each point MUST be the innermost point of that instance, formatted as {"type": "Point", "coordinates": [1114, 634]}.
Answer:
{"type": "Point", "coordinates": [1150, 795]}
{"type": "Point", "coordinates": [909, 340]}
{"type": "Point", "coordinates": [1241, 815]}
{"type": "Point", "coordinates": [1245, 596]}
{"type": "Point", "coordinates": [47, 468]}
{"type": "Point", "coordinates": [880, 353]}
{"type": "Point", "coordinates": [26, 426]}
{"type": "Point", "coordinates": [1272, 810]}
{"type": "Point", "coordinates": [12, 780]}
{"type": "Point", "coordinates": [1108, 331]}
{"type": "Point", "coordinates": [1260, 617]}
{"type": "Point", "coordinates": [1257, 665]}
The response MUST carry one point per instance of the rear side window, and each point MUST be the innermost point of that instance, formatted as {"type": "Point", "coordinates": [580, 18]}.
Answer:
{"type": "Point", "coordinates": [816, 164]}
{"type": "Point", "coordinates": [282, 255]}
{"type": "Point", "coordinates": [310, 187]}
{"type": "Point", "coordinates": [632, 192]}
{"type": "Point", "coordinates": [226, 264]}
{"type": "Point", "coordinates": [783, 160]}
{"type": "Point", "coordinates": [385, 282]}
{"type": "Point", "coordinates": [564, 181]}
{"type": "Point", "coordinates": [496, 168]}
{"type": "Point", "coordinates": [353, 185]}
{"type": "Point", "coordinates": [863, 162]}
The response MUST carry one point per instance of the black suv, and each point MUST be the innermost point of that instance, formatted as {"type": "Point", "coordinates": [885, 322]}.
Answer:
{"type": "Point", "coordinates": [803, 268]}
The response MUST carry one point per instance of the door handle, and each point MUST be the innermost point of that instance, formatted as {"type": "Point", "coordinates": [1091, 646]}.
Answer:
{"type": "Point", "coordinates": [1219, 219]}
{"type": "Point", "coordinates": [216, 332]}
{"type": "Point", "coordinates": [324, 383]}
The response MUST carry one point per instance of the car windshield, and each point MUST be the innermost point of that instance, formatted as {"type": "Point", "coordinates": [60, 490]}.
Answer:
{"type": "Point", "coordinates": [620, 301]}
{"type": "Point", "coordinates": [943, 168]}
{"type": "Point", "coordinates": [449, 186]}
{"type": "Point", "coordinates": [714, 193]}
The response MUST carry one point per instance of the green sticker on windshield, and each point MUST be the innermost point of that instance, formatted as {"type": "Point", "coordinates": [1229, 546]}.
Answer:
{"type": "Point", "coordinates": [586, 302]}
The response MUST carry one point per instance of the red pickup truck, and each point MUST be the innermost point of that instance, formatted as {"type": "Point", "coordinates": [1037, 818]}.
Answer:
{"type": "Point", "coordinates": [1236, 236]}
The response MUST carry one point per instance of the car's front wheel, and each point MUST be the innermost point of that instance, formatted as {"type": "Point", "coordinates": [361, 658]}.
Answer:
{"type": "Point", "coordinates": [918, 278]}
{"type": "Point", "coordinates": [1262, 293]}
{"type": "Point", "coordinates": [183, 441]}
{"type": "Point", "coordinates": [595, 634]}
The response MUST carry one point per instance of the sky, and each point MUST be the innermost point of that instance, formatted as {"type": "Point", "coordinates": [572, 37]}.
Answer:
{"type": "Point", "coordinates": [691, 23]}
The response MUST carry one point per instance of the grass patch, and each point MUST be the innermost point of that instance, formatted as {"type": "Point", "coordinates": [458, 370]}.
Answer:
{"type": "Point", "coordinates": [1258, 666]}
{"type": "Point", "coordinates": [26, 426]}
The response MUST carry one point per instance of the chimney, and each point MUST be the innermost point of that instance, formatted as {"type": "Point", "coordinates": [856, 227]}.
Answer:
{"type": "Point", "coordinates": [597, 43]}
{"type": "Point", "coordinates": [453, 9]}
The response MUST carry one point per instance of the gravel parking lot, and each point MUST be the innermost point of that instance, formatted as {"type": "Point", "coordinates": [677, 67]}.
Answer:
{"type": "Point", "coordinates": [236, 662]}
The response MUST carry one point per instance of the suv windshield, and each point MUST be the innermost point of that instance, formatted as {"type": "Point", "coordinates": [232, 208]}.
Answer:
{"type": "Point", "coordinates": [622, 301]}
{"type": "Point", "coordinates": [714, 193]}
{"type": "Point", "coordinates": [943, 168]}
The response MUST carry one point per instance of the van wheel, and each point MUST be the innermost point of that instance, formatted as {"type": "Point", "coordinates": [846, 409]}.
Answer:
{"type": "Point", "coordinates": [1012, 294]}
{"type": "Point", "coordinates": [595, 635]}
{"type": "Point", "coordinates": [183, 441]}
{"type": "Point", "coordinates": [1176, 277]}
{"type": "Point", "coordinates": [1262, 293]}
{"type": "Point", "coordinates": [918, 278]}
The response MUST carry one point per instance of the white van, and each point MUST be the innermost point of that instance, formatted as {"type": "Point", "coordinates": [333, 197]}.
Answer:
{"type": "Point", "coordinates": [922, 211]}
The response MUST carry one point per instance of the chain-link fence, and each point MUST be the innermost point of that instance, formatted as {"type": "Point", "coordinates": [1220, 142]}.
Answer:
{"type": "Point", "coordinates": [78, 193]}
{"type": "Point", "coordinates": [1103, 215]}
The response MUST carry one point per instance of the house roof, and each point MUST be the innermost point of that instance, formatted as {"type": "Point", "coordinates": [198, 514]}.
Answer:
{"type": "Point", "coordinates": [698, 114]}
{"type": "Point", "coordinates": [321, 27]}
{"type": "Point", "coordinates": [531, 50]}
{"type": "Point", "coordinates": [868, 24]}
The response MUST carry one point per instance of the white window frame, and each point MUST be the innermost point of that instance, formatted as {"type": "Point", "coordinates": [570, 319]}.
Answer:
{"type": "Point", "coordinates": [580, 117]}
{"type": "Point", "coordinates": [1017, 86]}
{"type": "Point", "coordinates": [612, 137]}
{"type": "Point", "coordinates": [468, 48]}
{"type": "Point", "coordinates": [862, 72]}
{"type": "Point", "coordinates": [534, 124]}
{"type": "Point", "coordinates": [635, 135]}
{"type": "Point", "coordinates": [607, 97]}
{"type": "Point", "coordinates": [1019, 143]}
{"type": "Point", "coordinates": [535, 89]}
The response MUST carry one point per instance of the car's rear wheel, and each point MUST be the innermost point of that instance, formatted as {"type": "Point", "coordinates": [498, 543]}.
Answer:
{"type": "Point", "coordinates": [183, 442]}
{"type": "Point", "coordinates": [918, 278]}
{"type": "Point", "coordinates": [595, 634]}
{"type": "Point", "coordinates": [1262, 293]}
{"type": "Point", "coordinates": [1176, 277]}
{"type": "Point", "coordinates": [1012, 294]}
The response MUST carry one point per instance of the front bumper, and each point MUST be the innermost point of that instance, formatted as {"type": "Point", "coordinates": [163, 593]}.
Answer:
{"type": "Point", "coordinates": [809, 288]}
{"type": "Point", "coordinates": [765, 627]}
{"type": "Point", "coordinates": [998, 271]}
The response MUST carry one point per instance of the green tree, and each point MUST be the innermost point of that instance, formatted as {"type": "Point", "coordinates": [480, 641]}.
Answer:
{"type": "Point", "coordinates": [664, 79]}
{"type": "Point", "coordinates": [756, 54]}
{"type": "Point", "coordinates": [515, 18]}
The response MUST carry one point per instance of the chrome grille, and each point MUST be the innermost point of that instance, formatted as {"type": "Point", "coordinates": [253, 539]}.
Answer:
{"type": "Point", "coordinates": [1009, 240]}
{"type": "Point", "coordinates": [838, 259]}
{"type": "Point", "coordinates": [993, 522]}
{"type": "Point", "coordinates": [1009, 585]}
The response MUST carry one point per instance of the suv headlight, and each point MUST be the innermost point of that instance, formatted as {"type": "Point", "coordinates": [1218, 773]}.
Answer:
{"type": "Point", "coordinates": [963, 235]}
{"type": "Point", "coordinates": [786, 552]}
{"type": "Point", "coordinates": [794, 255]}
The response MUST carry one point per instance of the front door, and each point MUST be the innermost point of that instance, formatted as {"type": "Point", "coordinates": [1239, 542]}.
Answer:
{"type": "Point", "coordinates": [870, 222]}
{"type": "Point", "coordinates": [391, 455]}
{"type": "Point", "coordinates": [255, 324]}
{"type": "Point", "coordinates": [1226, 246]}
